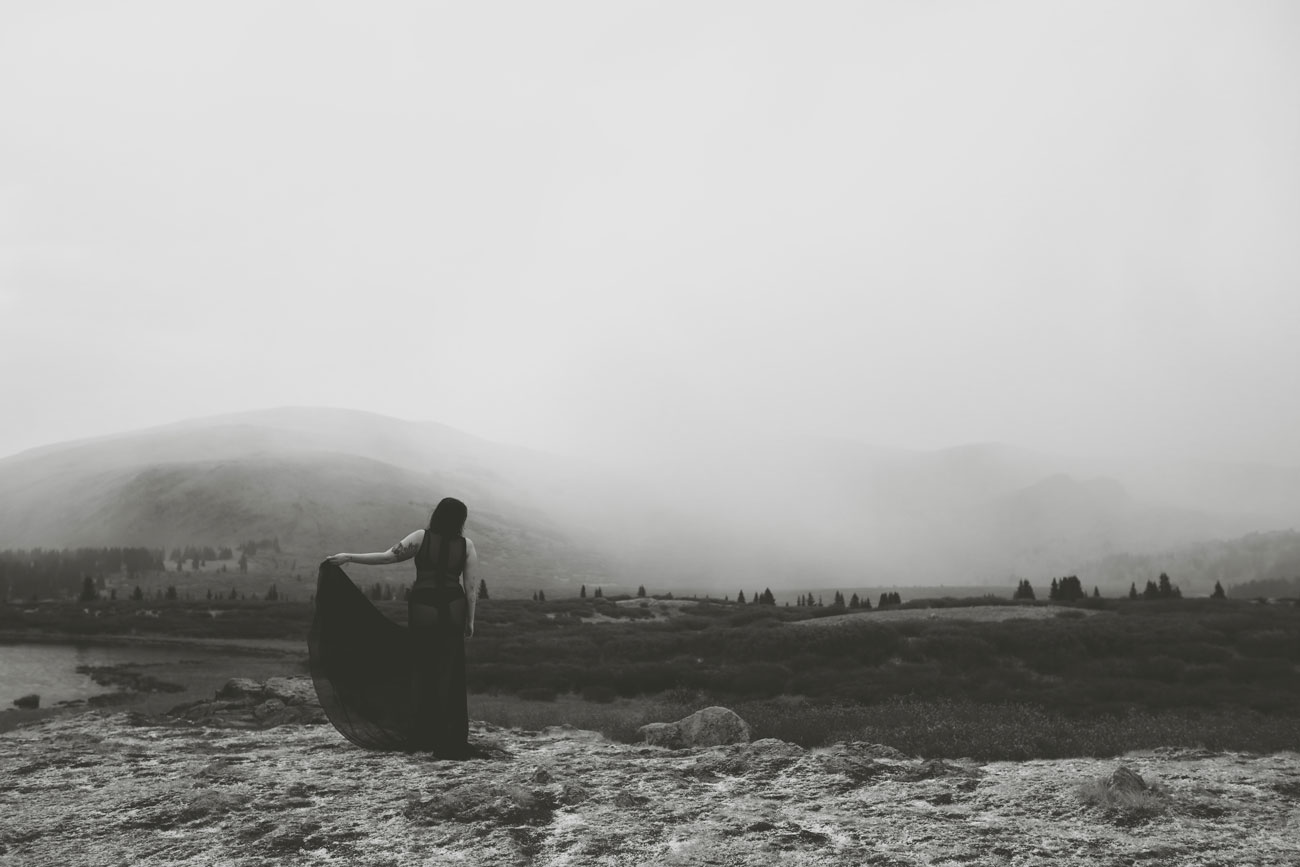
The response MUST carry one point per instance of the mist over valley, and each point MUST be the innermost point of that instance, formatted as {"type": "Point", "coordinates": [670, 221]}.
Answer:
{"type": "Point", "coordinates": [792, 514]}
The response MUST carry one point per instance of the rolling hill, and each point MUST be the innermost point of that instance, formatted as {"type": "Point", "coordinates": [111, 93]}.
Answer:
{"type": "Point", "coordinates": [787, 514]}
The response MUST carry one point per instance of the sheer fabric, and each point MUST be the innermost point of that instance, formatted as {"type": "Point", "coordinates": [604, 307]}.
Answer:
{"type": "Point", "coordinates": [385, 686]}
{"type": "Point", "coordinates": [437, 630]}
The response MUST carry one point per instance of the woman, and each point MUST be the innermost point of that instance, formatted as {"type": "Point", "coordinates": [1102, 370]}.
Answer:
{"type": "Point", "coordinates": [388, 688]}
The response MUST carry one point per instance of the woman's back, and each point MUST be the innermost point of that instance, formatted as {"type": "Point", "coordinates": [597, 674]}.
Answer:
{"type": "Point", "coordinates": [440, 559]}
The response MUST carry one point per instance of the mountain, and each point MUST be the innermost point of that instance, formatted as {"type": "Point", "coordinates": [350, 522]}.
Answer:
{"type": "Point", "coordinates": [319, 480]}
{"type": "Point", "coordinates": [791, 513]}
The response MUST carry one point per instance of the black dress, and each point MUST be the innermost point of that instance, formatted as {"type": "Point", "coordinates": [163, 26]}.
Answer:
{"type": "Point", "coordinates": [389, 687]}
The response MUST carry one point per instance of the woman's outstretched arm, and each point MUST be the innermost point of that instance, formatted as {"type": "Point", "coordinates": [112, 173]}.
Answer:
{"type": "Point", "coordinates": [403, 550]}
{"type": "Point", "coordinates": [470, 577]}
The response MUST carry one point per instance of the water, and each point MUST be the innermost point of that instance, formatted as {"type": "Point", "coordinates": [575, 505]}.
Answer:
{"type": "Point", "coordinates": [50, 670]}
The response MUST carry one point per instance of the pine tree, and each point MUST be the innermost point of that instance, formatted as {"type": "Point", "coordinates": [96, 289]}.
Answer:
{"type": "Point", "coordinates": [1218, 592]}
{"type": "Point", "coordinates": [541, 595]}
{"type": "Point", "coordinates": [1151, 591]}
{"type": "Point", "coordinates": [767, 598]}
{"type": "Point", "coordinates": [171, 592]}
{"type": "Point", "coordinates": [640, 591]}
{"type": "Point", "coordinates": [137, 594]}
{"type": "Point", "coordinates": [740, 597]}
{"type": "Point", "coordinates": [1166, 587]}
{"type": "Point", "coordinates": [1133, 590]}
{"type": "Point", "coordinates": [1096, 594]}
{"type": "Point", "coordinates": [582, 592]}
{"type": "Point", "coordinates": [88, 593]}
{"type": "Point", "coordinates": [1067, 589]}
{"type": "Point", "coordinates": [854, 601]}
{"type": "Point", "coordinates": [600, 594]}
{"type": "Point", "coordinates": [483, 594]}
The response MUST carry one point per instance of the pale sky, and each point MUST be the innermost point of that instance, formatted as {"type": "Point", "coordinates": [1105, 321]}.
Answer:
{"type": "Point", "coordinates": [618, 228]}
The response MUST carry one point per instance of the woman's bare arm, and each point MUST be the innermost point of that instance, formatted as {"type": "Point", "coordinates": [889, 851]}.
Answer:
{"type": "Point", "coordinates": [470, 578]}
{"type": "Point", "coordinates": [403, 550]}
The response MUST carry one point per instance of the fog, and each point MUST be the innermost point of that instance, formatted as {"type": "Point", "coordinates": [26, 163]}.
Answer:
{"type": "Point", "coordinates": [685, 236]}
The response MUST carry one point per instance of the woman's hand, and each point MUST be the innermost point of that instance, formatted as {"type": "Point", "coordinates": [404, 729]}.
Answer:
{"type": "Point", "coordinates": [339, 559]}
{"type": "Point", "coordinates": [469, 629]}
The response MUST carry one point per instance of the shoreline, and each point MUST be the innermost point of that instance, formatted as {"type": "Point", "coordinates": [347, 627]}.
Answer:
{"type": "Point", "coordinates": [252, 646]}
{"type": "Point", "coordinates": [224, 658]}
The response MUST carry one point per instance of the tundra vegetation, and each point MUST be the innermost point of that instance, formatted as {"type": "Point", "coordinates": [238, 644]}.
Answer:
{"type": "Point", "coordinates": [1095, 676]}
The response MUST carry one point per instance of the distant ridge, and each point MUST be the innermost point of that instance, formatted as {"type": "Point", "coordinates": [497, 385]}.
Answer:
{"type": "Point", "coordinates": [320, 480]}
{"type": "Point", "coordinates": [787, 514]}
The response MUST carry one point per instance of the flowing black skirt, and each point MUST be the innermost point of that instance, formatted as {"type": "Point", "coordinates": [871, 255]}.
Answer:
{"type": "Point", "coordinates": [385, 686]}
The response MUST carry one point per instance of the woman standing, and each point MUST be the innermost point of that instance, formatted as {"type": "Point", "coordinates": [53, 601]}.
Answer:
{"type": "Point", "coordinates": [431, 712]}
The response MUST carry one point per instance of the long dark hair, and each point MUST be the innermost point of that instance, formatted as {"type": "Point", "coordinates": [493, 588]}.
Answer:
{"type": "Point", "coordinates": [448, 518]}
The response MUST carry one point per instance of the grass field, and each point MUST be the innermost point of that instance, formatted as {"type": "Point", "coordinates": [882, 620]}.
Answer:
{"type": "Point", "coordinates": [1009, 681]}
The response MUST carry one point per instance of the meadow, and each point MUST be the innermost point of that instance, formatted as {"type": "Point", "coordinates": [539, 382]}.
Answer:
{"type": "Point", "coordinates": [1095, 677]}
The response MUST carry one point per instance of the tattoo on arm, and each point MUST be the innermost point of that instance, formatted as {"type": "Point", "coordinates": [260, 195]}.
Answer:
{"type": "Point", "coordinates": [403, 550]}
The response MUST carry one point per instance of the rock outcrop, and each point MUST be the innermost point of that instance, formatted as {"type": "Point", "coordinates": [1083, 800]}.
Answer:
{"type": "Point", "coordinates": [710, 727]}
{"type": "Point", "coordinates": [109, 789]}
{"type": "Point", "coordinates": [1125, 780]}
{"type": "Point", "coordinates": [244, 703]}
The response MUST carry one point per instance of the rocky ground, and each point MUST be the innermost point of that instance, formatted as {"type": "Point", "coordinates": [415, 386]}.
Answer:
{"type": "Point", "coordinates": [254, 777]}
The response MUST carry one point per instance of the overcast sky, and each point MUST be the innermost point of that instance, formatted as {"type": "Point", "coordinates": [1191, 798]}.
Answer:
{"type": "Point", "coordinates": [610, 227]}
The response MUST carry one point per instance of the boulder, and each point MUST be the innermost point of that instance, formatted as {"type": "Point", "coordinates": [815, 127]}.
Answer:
{"type": "Point", "coordinates": [242, 689]}
{"type": "Point", "coordinates": [1123, 779]}
{"type": "Point", "coordinates": [291, 690]}
{"type": "Point", "coordinates": [710, 727]}
{"type": "Point", "coordinates": [661, 735]}
{"type": "Point", "coordinates": [28, 701]}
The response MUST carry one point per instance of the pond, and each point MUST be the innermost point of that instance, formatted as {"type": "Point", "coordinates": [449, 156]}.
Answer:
{"type": "Point", "coordinates": [50, 670]}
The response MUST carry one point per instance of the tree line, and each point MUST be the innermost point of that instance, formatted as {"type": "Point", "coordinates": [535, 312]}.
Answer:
{"type": "Point", "coordinates": [92, 590]}
{"type": "Point", "coordinates": [201, 554]}
{"type": "Point", "coordinates": [40, 572]}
